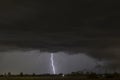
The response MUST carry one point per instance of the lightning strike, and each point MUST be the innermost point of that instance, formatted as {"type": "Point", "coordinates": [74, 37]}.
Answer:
{"type": "Point", "coordinates": [52, 63]}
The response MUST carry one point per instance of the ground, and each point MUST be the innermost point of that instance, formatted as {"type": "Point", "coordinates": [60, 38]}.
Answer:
{"type": "Point", "coordinates": [55, 78]}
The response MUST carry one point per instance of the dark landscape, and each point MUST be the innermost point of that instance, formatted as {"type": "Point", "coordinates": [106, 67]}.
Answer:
{"type": "Point", "coordinates": [72, 76]}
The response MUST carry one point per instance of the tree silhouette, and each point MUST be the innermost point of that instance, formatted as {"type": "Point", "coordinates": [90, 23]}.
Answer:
{"type": "Point", "coordinates": [9, 74]}
{"type": "Point", "coordinates": [21, 74]}
{"type": "Point", "coordinates": [33, 74]}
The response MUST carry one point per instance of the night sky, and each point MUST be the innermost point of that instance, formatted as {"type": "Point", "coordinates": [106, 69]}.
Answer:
{"type": "Point", "coordinates": [80, 33]}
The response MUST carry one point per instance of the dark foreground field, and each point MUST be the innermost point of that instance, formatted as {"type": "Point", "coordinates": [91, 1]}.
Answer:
{"type": "Point", "coordinates": [72, 76]}
{"type": "Point", "coordinates": [55, 78]}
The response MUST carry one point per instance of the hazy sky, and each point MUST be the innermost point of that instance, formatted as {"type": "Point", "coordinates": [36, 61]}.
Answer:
{"type": "Point", "coordinates": [84, 26]}
{"type": "Point", "coordinates": [34, 62]}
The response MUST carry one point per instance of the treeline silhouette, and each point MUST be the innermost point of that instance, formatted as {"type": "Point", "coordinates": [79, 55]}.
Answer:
{"type": "Point", "coordinates": [73, 74]}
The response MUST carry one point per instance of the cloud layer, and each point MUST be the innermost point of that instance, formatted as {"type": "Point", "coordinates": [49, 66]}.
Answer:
{"type": "Point", "coordinates": [87, 26]}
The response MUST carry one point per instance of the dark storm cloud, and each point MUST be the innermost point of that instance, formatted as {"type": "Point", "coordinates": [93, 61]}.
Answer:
{"type": "Point", "coordinates": [87, 26]}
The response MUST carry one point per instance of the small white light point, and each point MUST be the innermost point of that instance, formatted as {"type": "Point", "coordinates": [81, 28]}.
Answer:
{"type": "Point", "coordinates": [63, 75]}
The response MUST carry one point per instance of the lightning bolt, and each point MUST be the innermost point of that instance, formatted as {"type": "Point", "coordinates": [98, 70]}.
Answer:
{"type": "Point", "coordinates": [52, 63]}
